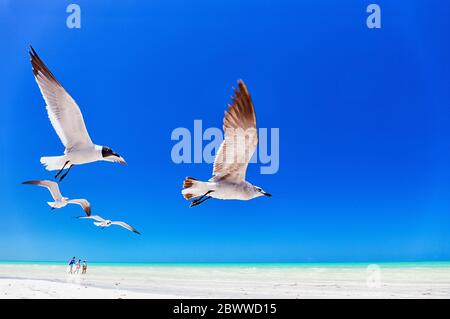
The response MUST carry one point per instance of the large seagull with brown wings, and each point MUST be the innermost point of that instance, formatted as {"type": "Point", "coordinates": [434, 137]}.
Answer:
{"type": "Point", "coordinates": [68, 122]}
{"type": "Point", "coordinates": [230, 164]}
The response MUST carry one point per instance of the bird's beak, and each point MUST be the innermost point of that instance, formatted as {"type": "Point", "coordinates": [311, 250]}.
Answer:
{"type": "Point", "coordinates": [266, 194]}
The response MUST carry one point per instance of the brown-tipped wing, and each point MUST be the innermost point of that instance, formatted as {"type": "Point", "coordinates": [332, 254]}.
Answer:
{"type": "Point", "coordinates": [83, 203]}
{"type": "Point", "coordinates": [50, 185]}
{"type": "Point", "coordinates": [241, 138]}
{"type": "Point", "coordinates": [63, 112]}
{"type": "Point", "coordinates": [125, 225]}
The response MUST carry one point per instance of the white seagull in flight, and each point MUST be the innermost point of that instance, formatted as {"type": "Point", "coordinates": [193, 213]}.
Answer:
{"type": "Point", "coordinates": [101, 222]}
{"type": "Point", "coordinates": [59, 200]}
{"type": "Point", "coordinates": [230, 164]}
{"type": "Point", "coordinates": [67, 120]}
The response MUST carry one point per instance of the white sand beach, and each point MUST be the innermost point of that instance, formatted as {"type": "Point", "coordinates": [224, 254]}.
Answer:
{"type": "Point", "coordinates": [52, 281]}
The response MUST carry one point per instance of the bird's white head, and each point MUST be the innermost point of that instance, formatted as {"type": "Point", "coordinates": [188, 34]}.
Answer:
{"type": "Point", "coordinates": [258, 191]}
{"type": "Point", "coordinates": [109, 155]}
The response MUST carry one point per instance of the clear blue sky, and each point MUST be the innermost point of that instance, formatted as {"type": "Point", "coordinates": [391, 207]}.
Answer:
{"type": "Point", "coordinates": [364, 118]}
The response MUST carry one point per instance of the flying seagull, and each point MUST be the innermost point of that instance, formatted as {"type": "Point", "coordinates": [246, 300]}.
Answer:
{"type": "Point", "coordinates": [59, 200]}
{"type": "Point", "coordinates": [101, 222]}
{"type": "Point", "coordinates": [230, 164]}
{"type": "Point", "coordinates": [67, 120]}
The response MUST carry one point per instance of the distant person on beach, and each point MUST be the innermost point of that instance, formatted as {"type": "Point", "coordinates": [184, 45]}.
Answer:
{"type": "Point", "coordinates": [71, 262]}
{"type": "Point", "coordinates": [77, 266]}
{"type": "Point", "coordinates": [84, 267]}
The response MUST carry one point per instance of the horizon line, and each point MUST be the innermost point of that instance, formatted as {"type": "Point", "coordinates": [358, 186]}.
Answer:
{"type": "Point", "coordinates": [233, 262]}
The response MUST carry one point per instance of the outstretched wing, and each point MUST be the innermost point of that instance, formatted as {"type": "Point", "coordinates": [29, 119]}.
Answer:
{"type": "Point", "coordinates": [63, 112]}
{"type": "Point", "coordinates": [94, 217]}
{"type": "Point", "coordinates": [50, 185]}
{"type": "Point", "coordinates": [125, 225]}
{"type": "Point", "coordinates": [83, 203]}
{"type": "Point", "coordinates": [241, 138]}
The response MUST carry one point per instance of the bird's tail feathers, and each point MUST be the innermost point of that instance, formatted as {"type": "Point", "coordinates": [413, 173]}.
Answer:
{"type": "Point", "coordinates": [53, 163]}
{"type": "Point", "coordinates": [193, 188]}
{"type": "Point", "coordinates": [51, 204]}
{"type": "Point", "coordinates": [189, 182]}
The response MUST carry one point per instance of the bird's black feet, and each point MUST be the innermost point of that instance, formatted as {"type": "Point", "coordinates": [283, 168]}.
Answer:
{"type": "Point", "coordinates": [65, 174]}
{"type": "Point", "coordinates": [60, 171]}
{"type": "Point", "coordinates": [200, 200]}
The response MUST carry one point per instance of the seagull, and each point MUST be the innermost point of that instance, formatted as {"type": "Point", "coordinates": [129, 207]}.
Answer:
{"type": "Point", "coordinates": [231, 161]}
{"type": "Point", "coordinates": [67, 120]}
{"type": "Point", "coordinates": [60, 201]}
{"type": "Point", "coordinates": [101, 222]}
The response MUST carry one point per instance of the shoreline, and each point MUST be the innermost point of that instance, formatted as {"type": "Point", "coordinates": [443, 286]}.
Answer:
{"type": "Point", "coordinates": [357, 264]}
{"type": "Point", "coordinates": [102, 281]}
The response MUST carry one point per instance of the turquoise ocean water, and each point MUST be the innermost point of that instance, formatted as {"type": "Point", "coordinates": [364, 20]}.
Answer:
{"type": "Point", "coordinates": [303, 264]}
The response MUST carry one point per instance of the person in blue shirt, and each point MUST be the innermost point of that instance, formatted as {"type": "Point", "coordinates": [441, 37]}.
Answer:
{"type": "Point", "coordinates": [71, 263]}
